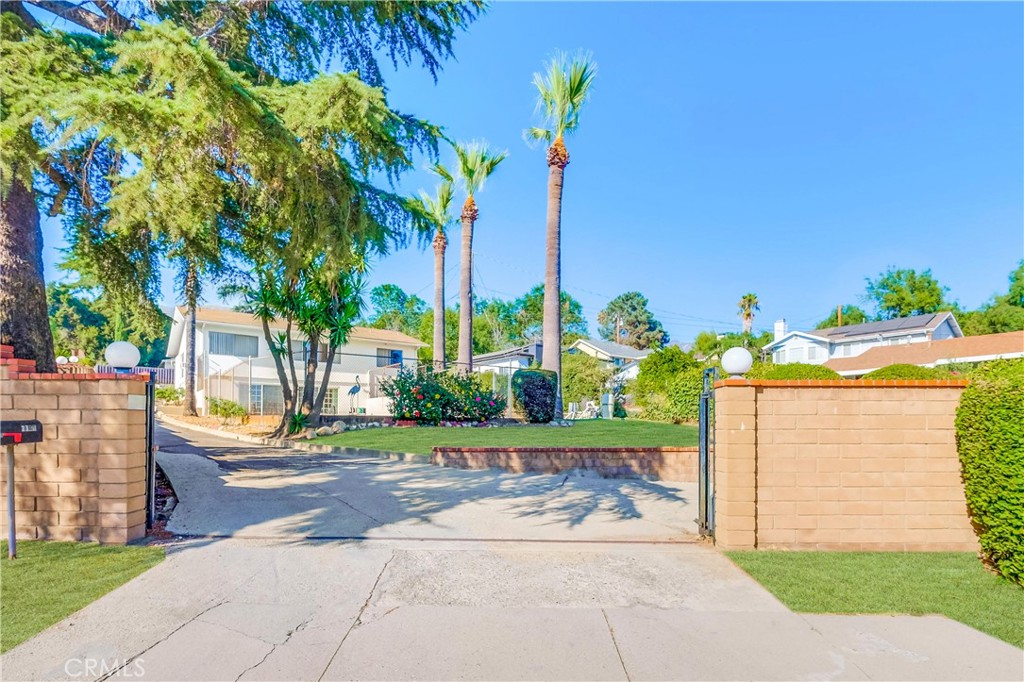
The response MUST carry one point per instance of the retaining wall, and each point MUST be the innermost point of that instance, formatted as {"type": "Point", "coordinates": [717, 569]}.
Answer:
{"type": "Point", "coordinates": [853, 465]}
{"type": "Point", "coordinates": [664, 463]}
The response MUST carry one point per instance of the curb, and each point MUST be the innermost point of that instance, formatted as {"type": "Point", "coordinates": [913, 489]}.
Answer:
{"type": "Point", "coordinates": [414, 457]}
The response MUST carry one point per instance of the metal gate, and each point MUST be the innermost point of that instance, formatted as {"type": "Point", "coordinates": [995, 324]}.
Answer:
{"type": "Point", "coordinates": [151, 450]}
{"type": "Point", "coordinates": [706, 476]}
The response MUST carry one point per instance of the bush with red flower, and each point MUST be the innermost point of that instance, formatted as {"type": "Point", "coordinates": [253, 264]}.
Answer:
{"type": "Point", "coordinates": [430, 397]}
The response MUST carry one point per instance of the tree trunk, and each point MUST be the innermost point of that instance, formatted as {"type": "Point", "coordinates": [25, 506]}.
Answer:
{"type": "Point", "coordinates": [748, 323]}
{"type": "Point", "coordinates": [558, 159]}
{"type": "Point", "coordinates": [287, 396]}
{"type": "Point", "coordinates": [469, 216]}
{"type": "Point", "coordinates": [191, 298]}
{"type": "Point", "coordinates": [309, 381]}
{"type": "Point", "coordinates": [440, 245]}
{"type": "Point", "coordinates": [318, 404]}
{"type": "Point", "coordinates": [24, 316]}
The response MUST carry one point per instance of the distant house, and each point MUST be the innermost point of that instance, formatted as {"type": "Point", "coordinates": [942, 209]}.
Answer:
{"type": "Point", "coordinates": [819, 346]}
{"type": "Point", "coordinates": [509, 360]}
{"type": "Point", "coordinates": [968, 349]}
{"type": "Point", "coordinates": [613, 354]}
{"type": "Point", "coordinates": [233, 361]}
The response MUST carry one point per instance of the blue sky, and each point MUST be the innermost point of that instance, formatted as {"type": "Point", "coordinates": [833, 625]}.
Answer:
{"type": "Point", "coordinates": [789, 149]}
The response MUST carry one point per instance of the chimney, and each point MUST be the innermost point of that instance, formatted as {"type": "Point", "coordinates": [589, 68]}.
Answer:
{"type": "Point", "coordinates": [780, 329]}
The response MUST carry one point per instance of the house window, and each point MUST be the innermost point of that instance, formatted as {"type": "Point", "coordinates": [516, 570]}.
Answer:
{"type": "Point", "coordinates": [812, 354]}
{"type": "Point", "coordinates": [796, 354]}
{"type": "Point", "coordinates": [847, 349]}
{"type": "Point", "coordinates": [239, 345]}
{"type": "Point", "coordinates": [330, 402]}
{"type": "Point", "coordinates": [780, 357]}
{"type": "Point", "coordinates": [388, 356]}
{"type": "Point", "coordinates": [273, 399]}
{"type": "Point", "coordinates": [255, 398]}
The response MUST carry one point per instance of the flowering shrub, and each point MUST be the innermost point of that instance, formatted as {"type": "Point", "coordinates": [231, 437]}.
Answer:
{"type": "Point", "coordinates": [430, 397]}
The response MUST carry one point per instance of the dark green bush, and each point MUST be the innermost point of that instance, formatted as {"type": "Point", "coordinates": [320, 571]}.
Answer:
{"type": "Point", "coordinates": [533, 391]}
{"type": "Point", "coordinates": [904, 371]}
{"type": "Point", "coordinates": [221, 407]}
{"type": "Point", "coordinates": [684, 395]}
{"type": "Point", "coordinates": [990, 441]}
{"type": "Point", "coordinates": [791, 371]}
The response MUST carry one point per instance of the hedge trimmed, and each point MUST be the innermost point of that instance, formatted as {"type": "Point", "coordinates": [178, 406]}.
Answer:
{"type": "Point", "coordinates": [904, 371]}
{"type": "Point", "coordinates": [533, 393]}
{"type": "Point", "coordinates": [791, 371]}
{"type": "Point", "coordinates": [990, 441]}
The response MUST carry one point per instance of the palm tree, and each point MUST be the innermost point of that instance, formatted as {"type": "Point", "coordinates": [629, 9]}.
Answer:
{"type": "Point", "coordinates": [475, 164]}
{"type": "Point", "coordinates": [436, 218]}
{"type": "Point", "coordinates": [563, 89]}
{"type": "Point", "coordinates": [748, 304]}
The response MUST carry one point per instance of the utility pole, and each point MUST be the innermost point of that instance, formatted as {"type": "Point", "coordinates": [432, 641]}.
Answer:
{"type": "Point", "coordinates": [839, 315]}
{"type": "Point", "coordinates": [618, 327]}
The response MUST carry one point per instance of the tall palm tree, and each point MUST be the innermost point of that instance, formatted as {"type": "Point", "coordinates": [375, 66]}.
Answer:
{"type": "Point", "coordinates": [748, 304]}
{"type": "Point", "coordinates": [475, 162]}
{"type": "Point", "coordinates": [562, 90]}
{"type": "Point", "coordinates": [436, 218]}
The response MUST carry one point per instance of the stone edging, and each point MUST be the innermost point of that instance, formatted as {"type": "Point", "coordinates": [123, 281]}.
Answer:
{"type": "Point", "coordinates": [306, 446]}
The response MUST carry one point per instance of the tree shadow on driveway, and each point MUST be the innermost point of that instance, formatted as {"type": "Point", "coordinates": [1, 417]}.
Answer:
{"type": "Point", "coordinates": [233, 489]}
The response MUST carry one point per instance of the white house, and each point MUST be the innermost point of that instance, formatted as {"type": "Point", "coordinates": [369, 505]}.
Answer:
{"type": "Point", "coordinates": [613, 354]}
{"type": "Point", "coordinates": [509, 360]}
{"type": "Point", "coordinates": [818, 346]}
{"type": "Point", "coordinates": [233, 361]}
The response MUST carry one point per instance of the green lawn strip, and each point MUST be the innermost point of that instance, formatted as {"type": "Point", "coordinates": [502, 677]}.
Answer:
{"type": "Point", "coordinates": [953, 584]}
{"type": "Point", "coordinates": [51, 580]}
{"type": "Point", "coordinates": [597, 433]}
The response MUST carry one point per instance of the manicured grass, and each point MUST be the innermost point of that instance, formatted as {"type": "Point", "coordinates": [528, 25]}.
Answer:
{"type": "Point", "coordinates": [51, 580]}
{"type": "Point", "coordinates": [596, 433]}
{"type": "Point", "coordinates": [953, 584]}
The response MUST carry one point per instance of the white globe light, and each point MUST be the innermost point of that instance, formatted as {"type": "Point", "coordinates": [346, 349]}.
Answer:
{"type": "Point", "coordinates": [73, 358]}
{"type": "Point", "coordinates": [122, 355]}
{"type": "Point", "coordinates": [61, 360]}
{"type": "Point", "coordinates": [737, 361]}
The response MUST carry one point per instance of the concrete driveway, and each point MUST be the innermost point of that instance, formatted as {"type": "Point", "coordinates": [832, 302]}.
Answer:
{"type": "Point", "coordinates": [437, 586]}
{"type": "Point", "coordinates": [232, 489]}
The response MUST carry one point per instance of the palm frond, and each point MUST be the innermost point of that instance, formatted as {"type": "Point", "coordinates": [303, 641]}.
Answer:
{"type": "Point", "coordinates": [476, 162]}
{"type": "Point", "coordinates": [563, 88]}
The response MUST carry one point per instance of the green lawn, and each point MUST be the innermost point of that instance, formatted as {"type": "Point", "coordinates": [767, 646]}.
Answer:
{"type": "Point", "coordinates": [599, 433]}
{"type": "Point", "coordinates": [51, 580]}
{"type": "Point", "coordinates": [953, 584]}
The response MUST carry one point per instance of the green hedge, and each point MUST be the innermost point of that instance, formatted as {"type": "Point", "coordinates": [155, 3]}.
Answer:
{"type": "Point", "coordinates": [904, 371]}
{"type": "Point", "coordinates": [221, 407]}
{"type": "Point", "coordinates": [990, 440]}
{"type": "Point", "coordinates": [791, 371]}
{"type": "Point", "coordinates": [533, 393]}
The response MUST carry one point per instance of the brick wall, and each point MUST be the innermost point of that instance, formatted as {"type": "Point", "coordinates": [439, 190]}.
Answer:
{"type": "Point", "coordinates": [858, 465]}
{"type": "Point", "coordinates": [667, 463]}
{"type": "Point", "coordinates": [87, 479]}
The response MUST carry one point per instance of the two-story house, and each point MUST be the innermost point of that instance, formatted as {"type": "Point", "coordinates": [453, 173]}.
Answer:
{"type": "Point", "coordinates": [818, 346]}
{"type": "Point", "coordinates": [233, 361]}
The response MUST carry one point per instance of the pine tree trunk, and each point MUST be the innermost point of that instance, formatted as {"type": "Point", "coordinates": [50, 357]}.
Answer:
{"type": "Point", "coordinates": [440, 245]}
{"type": "Point", "coordinates": [191, 299]}
{"type": "Point", "coordinates": [469, 215]}
{"type": "Point", "coordinates": [24, 317]}
{"type": "Point", "coordinates": [558, 158]}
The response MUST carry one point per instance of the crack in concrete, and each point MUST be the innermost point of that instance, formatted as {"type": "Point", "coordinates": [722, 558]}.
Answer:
{"type": "Point", "coordinates": [615, 643]}
{"type": "Point", "coordinates": [163, 639]}
{"type": "Point", "coordinates": [273, 647]}
{"type": "Point", "coordinates": [359, 616]}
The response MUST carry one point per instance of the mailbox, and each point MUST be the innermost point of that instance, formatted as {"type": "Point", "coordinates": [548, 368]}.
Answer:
{"type": "Point", "coordinates": [18, 431]}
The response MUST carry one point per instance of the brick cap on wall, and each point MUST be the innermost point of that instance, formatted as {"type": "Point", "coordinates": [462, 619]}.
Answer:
{"type": "Point", "coordinates": [18, 368]}
{"type": "Point", "coordinates": [442, 448]}
{"type": "Point", "coordinates": [845, 383]}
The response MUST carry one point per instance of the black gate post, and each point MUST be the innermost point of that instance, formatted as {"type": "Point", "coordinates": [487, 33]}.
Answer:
{"type": "Point", "coordinates": [150, 450]}
{"type": "Point", "coordinates": [706, 476]}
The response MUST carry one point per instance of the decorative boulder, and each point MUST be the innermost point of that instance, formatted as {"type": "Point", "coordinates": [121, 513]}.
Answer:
{"type": "Point", "coordinates": [324, 431]}
{"type": "Point", "coordinates": [338, 427]}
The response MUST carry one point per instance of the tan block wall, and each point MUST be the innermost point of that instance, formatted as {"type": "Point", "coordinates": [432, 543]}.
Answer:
{"type": "Point", "coordinates": [852, 465]}
{"type": "Point", "coordinates": [87, 479]}
{"type": "Point", "coordinates": [667, 464]}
